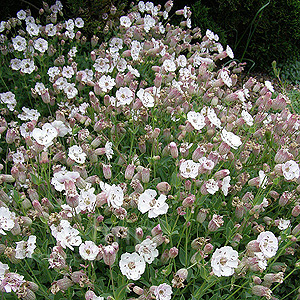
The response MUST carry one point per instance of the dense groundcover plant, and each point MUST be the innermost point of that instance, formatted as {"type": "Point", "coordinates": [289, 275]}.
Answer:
{"type": "Point", "coordinates": [141, 168]}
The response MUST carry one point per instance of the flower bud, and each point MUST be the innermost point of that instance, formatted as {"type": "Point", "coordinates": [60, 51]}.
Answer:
{"type": "Point", "coordinates": [129, 172]}
{"type": "Point", "coordinates": [163, 187]}
{"type": "Point", "coordinates": [139, 233]}
{"type": "Point", "coordinates": [262, 291]}
{"type": "Point", "coordinates": [109, 255]}
{"type": "Point", "coordinates": [202, 215]}
{"type": "Point", "coordinates": [106, 171]}
{"type": "Point", "coordinates": [156, 230]}
{"type": "Point", "coordinates": [173, 252]}
{"type": "Point", "coordinates": [173, 150]}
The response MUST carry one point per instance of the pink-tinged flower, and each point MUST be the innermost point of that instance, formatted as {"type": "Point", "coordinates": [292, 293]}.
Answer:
{"type": "Point", "coordinates": [88, 250]}
{"type": "Point", "coordinates": [132, 265]}
{"type": "Point", "coordinates": [6, 220]}
{"type": "Point", "coordinates": [196, 119]}
{"type": "Point", "coordinates": [189, 169]}
{"type": "Point", "coordinates": [290, 170]}
{"type": "Point", "coordinates": [163, 292]}
{"type": "Point", "coordinates": [26, 249]}
{"type": "Point", "coordinates": [154, 207]}
{"type": "Point", "coordinates": [268, 243]}
{"type": "Point", "coordinates": [147, 249]}
{"type": "Point", "coordinates": [224, 261]}
{"type": "Point", "coordinates": [231, 139]}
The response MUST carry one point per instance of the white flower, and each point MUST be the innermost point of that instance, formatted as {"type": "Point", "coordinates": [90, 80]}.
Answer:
{"type": "Point", "coordinates": [87, 200]}
{"type": "Point", "coordinates": [66, 235]}
{"type": "Point", "coordinates": [3, 269]}
{"type": "Point", "coordinates": [231, 139]}
{"type": "Point", "coordinates": [224, 261]}
{"type": "Point", "coordinates": [21, 14]}
{"type": "Point", "coordinates": [45, 135]}
{"type": "Point", "coordinates": [283, 224]}
{"type": "Point", "coordinates": [15, 64]}
{"type": "Point", "coordinates": [163, 292]}
{"type": "Point", "coordinates": [50, 29]}
{"type": "Point", "coordinates": [40, 45]}
{"type": "Point", "coordinates": [115, 194]}
{"type": "Point", "coordinates": [212, 186]}
{"type": "Point", "coordinates": [6, 220]}
{"type": "Point", "coordinates": [290, 170]}
{"type": "Point", "coordinates": [19, 43]}
{"type": "Point", "coordinates": [29, 114]}
{"type": "Point", "coordinates": [67, 72]}
{"type": "Point", "coordinates": [76, 153]}
{"type": "Point", "coordinates": [149, 22]}
{"type": "Point", "coordinates": [32, 29]}
{"type": "Point", "coordinates": [261, 260]}
{"type": "Point", "coordinates": [60, 177]}
{"type": "Point", "coordinates": [79, 23]}
{"type": "Point", "coordinates": [106, 83]}
{"type": "Point", "coordinates": [27, 66]}
{"type": "Point", "coordinates": [88, 250]}
{"type": "Point", "coordinates": [247, 118]}
{"type": "Point", "coordinates": [189, 169]}
{"type": "Point", "coordinates": [147, 249]}
{"type": "Point", "coordinates": [124, 96]}
{"type": "Point", "coordinates": [213, 118]}
{"type": "Point", "coordinates": [125, 21]}
{"type": "Point", "coordinates": [146, 98]}
{"type": "Point", "coordinates": [62, 128]}
{"type": "Point", "coordinates": [196, 119]}
{"type": "Point", "coordinates": [225, 77]}
{"type": "Point", "coordinates": [9, 99]}
{"type": "Point", "coordinates": [132, 265]}
{"type": "Point", "coordinates": [268, 243]}
{"type": "Point", "coordinates": [225, 185]}
{"type": "Point", "coordinates": [229, 52]}
{"type": "Point", "coordinates": [101, 65]}
{"type": "Point", "coordinates": [154, 207]}
{"type": "Point", "coordinates": [269, 86]}
{"type": "Point", "coordinates": [262, 179]}
{"type": "Point", "coordinates": [211, 35]}
{"type": "Point", "coordinates": [108, 150]}
{"type": "Point", "coordinates": [169, 65]}
{"type": "Point", "coordinates": [26, 249]}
